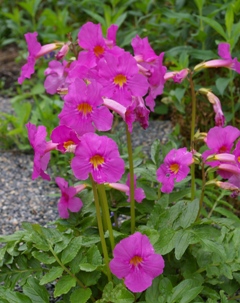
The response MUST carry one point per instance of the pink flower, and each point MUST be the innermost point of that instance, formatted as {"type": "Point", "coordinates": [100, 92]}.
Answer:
{"type": "Point", "coordinates": [143, 51]}
{"type": "Point", "coordinates": [177, 76]}
{"type": "Point", "coordinates": [68, 201]}
{"type": "Point", "coordinates": [120, 78]}
{"type": "Point", "coordinates": [66, 138]}
{"type": "Point", "coordinates": [82, 110]}
{"type": "Point", "coordinates": [175, 167]}
{"type": "Point", "coordinates": [99, 156]}
{"type": "Point", "coordinates": [136, 111]}
{"type": "Point", "coordinates": [139, 194]}
{"type": "Point", "coordinates": [37, 138]}
{"type": "Point", "coordinates": [156, 81]}
{"type": "Point", "coordinates": [136, 262]}
{"type": "Point", "coordinates": [63, 51]}
{"type": "Point", "coordinates": [95, 47]}
{"type": "Point", "coordinates": [220, 140]}
{"type": "Point", "coordinates": [35, 51]}
{"type": "Point", "coordinates": [226, 61]}
{"type": "Point", "coordinates": [219, 117]}
{"type": "Point", "coordinates": [236, 153]}
{"type": "Point", "coordinates": [56, 76]}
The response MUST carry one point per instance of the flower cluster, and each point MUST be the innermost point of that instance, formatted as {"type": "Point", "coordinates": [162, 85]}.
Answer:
{"type": "Point", "coordinates": [224, 154]}
{"type": "Point", "coordinates": [101, 80]}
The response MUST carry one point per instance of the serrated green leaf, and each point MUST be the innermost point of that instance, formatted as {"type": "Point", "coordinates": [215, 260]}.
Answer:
{"type": "Point", "coordinates": [43, 257]}
{"type": "Point", "coordinates": [37, 293]}
{"type": "Point", "coordinates": [117, 295]}
{"type": "Point", "coordinates": [52, 275]}
{"type": "Point", "coordinates": [87, 267]}
{"type": "Point", "coordinates": [80, 295]}
{"type": "Point", "coordinates": [90, 278]}
{"type": "Point", "coordinates": [71, 250]}
{"type": "Point", "coordinates": [93, 256]}
{"type": "Point", "coordinates": [63, 285]}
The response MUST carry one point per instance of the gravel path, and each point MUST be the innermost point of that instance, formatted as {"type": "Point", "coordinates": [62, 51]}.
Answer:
{"type": "Point", "coordinates": [22, 199]}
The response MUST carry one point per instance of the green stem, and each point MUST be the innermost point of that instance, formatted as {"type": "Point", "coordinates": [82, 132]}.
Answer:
{"type": "Point", "coordinates": [202, 192]}
{"type": "Point", "coordinates": [106, 213]}
{"type": "Point", "coordinates": [67, 270]}
{"type": "Point", "coordinates": [131, 171]}
{"type": "Point", "coordinates": [192, 135]}
{"type": "Point", "coordinates": [100, 228]}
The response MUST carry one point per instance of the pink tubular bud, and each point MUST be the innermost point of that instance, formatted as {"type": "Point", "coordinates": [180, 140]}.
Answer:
{"type": "Point", "coordinates": [63, 51]}
{"type": "Point", "coordinates": [224, 157]}
{"type": "Point", "coordinates": [214, 63]}
{"type": "Point", "coordinates": [47, 48]}
{"type": "Point", "coordinates": [121, 187]}
{"type": "Point", "coordinates": [229, 168]}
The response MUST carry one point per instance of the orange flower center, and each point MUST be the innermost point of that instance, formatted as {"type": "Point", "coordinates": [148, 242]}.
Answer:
{"type": "Point", "coordinates": [68, 145]}
{"type": "Point", "coordinates": [98, 50]}
{"type": "Point", "coordinates": [238, 159]}
{"type": "Point", "coordinates": [174, 168]}
{"type": "Point", "coordinates": [96, 161]}
{"type": "Point", "coordinates": [136, 260]}
{"type": "Point", "coordinates": [84, 108]}
{"type": "Point", "coordinates": [120, 80]}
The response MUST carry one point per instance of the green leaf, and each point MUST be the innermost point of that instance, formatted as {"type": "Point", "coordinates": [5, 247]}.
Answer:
{"type": "Point", "coordinates": [119, 294]}
{"type": "Point", "coordinates": [166, 241]}
{"type": "Point", "coordinates": [37, 293]}
{"type": "Point", "coordinates": [181, 290]}
{"type": "Point", "coordinates": [235, 34]}
{"type": "Point", "coordinates": [64, 285]}
{"type": "Point", "coordinates": [221, 84]}
{"type": "Point", "coordinates": [215, 25]}
{"type": "Point", "coordinates": [43, 257]}
{"type": "Point", "coordinates": [95, 16]}
{"type": "Point", "coordinates": [52, 275]}
{"type": "Point", "coordinates": [191, 294]}
{"type": "Point", "coordinates": [227, 213]}
{"type": "Point", "coordinates": [87, 267]}
{"type": "Point", "coordinates": [182, 241]}
{"type": "Point", "coordinates": [13, 297]}
{"type": "Point", "coordinates": [179, 93]}
{"type": "Point", "coordinates": [93, 256]}
{"type": "Point", "coordinates": [199, 4]}
{"type": "Point", "coordinates": [229, 18]}
{"type": "Point", "coordinates": [71, 250]}
{"type": "Point", "coordinates": [155, 152]}
{"type": "Point", "coordinates": [189, 213]}
{"type": "Point", "coordinates": [90, 278]}
{"type": "Point", "coordinates": [80, 295]}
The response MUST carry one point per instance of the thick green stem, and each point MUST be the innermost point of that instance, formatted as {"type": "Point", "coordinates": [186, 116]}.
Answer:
{"type": "Point", "coordinates": [100, 228]}
{"type": "Point", "coordinates": [131, 171]}
{"type": "Point", "coordinates": [106, 213]}
{"type": "Point", "coordinates": [193, 95]}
